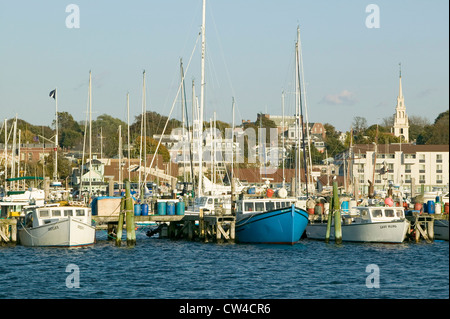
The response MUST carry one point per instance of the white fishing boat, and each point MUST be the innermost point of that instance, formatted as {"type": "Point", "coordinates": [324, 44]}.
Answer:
{"type": "Point", "coordinates": [59, 226]}
{"type": "Point", "coordinates": [366, 224]}
{"type": "Point", "coordinates": [212, 204]}
{"type": "Point", "coordinates": [441, 229]}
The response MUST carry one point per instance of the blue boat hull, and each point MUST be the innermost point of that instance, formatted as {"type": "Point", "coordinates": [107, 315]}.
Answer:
{"type": "Point", "coordinates": [279, 226]}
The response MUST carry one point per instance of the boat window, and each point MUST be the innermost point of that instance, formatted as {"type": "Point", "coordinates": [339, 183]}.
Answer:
{"type": "Point", "coordinates": [399, 213]}
{"type": "Point", "coordinates": [68, 212]}
{"type": "Point", "coordinates": [80, 212]}
{"type": "Point", "coordinates": [389, 213]}
{"type": "Point", "coordinates": [259, 206]}
{"type": "Point", "coordinates": [270, 206]}
{"type": "Point", "coordinates": [364, 213]}
{"type": "Point", "coordinates": [249, 207]}
{"type": "Point", "coordinates": [239, 207]}
{"type": "Point", "coordinates": [56, 213]}
{"type": "Point", "coordinates": [200, 201]}
{"type": "Point", "coordinates": [44, 213]}
{"type": "Point", "coordinates": [210, 201]}
{"type": "Point", "coordinates": [377, 213]}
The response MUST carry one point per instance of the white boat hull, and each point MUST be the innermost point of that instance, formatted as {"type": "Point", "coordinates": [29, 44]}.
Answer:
{"type": "Point", "coordinates": [441, 229]}
{"type": "Point", "coordinates": [382, 232]}
{"type": "Point", "coordinates": [69, 232]}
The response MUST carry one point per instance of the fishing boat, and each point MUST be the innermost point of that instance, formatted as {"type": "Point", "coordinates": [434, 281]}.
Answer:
{"type": "Point", "coordinates": [367, 224]}
{"type": "Point", "coordinates": [56, 226]}
{"type": "Point", "coordinates": [269, 221]}
{"type": "Point", "coordinates": [441, 229]}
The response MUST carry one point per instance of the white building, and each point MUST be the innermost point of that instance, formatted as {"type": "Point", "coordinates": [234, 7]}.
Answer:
{"type": "Point", "coordinates": [401, 165]}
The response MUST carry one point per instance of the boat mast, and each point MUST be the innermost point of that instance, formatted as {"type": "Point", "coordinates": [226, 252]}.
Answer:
{"type": "Point", "coordinates": [307, 167]}
{"type": "Point", "coordinates": [283, 130]}
{"type": "Point", "coordinates": [90, 132]}
{"type": "Point", "coordinates": [303, 129]}
{"type": "Point", "coordinates": [55, 160]}
{"type": "Point", "coordinates": [128, 129]}
{"type": "Point", "coordinates": [232, 142]}
{"type": "Point", "coordinates": [5, 154]}
{"type": "Point", "coordinates": [202, 101]}
{"type": "Point", "coordinates": [297, 123]}
{"type": "Point", "coordinates": [120, 157]}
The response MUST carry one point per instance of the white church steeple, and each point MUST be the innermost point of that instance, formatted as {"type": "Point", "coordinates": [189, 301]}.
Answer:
{"type": "Point", "coordinates": [401, 123]}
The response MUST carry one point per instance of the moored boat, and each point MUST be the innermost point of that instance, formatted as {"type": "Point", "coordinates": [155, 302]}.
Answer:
{"type": "Point", "coordinates": [367, 224]}
{"type": "Point", "coordinates": [56, 226]}
{"type": "Point", "coordinates": [270, 221]}
{"type": "Point", "coordinates": [441, 229]}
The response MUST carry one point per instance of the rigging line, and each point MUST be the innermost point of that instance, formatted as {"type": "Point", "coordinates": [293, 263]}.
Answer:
{"type": "Point", "coordinates": [84, 147]}
{"type": "Point", "coordinates": [173, 105]}
{"type": "Point", "coordinates": [222, 53]}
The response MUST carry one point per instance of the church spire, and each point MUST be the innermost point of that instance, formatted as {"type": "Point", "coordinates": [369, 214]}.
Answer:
{"type": "Point", "coordinates": [401, 123]}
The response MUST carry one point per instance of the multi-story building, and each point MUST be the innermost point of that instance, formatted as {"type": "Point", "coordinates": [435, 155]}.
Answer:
{"type": "Point", "coordinates": [405, 166]}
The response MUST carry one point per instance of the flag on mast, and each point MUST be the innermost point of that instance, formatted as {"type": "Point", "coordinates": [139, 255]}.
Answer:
{"type": "Point", "coordinates": [53, 94]}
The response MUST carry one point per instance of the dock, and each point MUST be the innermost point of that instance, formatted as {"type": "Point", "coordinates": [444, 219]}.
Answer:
{"type": "Point", "coordinates": [8, 230]}
{"type": "Point", "coordinates": [422, 225]}
{"type": "Point", "coordinates": [202, 227]}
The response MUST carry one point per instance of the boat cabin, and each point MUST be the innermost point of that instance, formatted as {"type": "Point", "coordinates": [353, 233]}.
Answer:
{"type": "Point", "coordinates": [246, 206]}
{"type": "Point", "coordinates": [210, 203]}
{"type": "Point", "coordinates": [380, 214]}
{"type": "Point", "coordinates": [45, 215]}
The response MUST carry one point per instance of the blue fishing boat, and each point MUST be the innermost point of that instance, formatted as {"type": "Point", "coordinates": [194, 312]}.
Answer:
{"type": "Point", "coordinates": [269, 221]}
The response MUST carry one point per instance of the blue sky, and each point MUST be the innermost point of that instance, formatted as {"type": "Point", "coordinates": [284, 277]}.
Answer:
{"type": "Point", "coordinates": [350, 70]}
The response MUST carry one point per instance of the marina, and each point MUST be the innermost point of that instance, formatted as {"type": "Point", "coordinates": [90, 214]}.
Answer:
{"type": "Point", "coordinates": [224, 190]}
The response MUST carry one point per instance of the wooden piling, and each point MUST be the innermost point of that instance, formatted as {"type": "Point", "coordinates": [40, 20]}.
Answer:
{"type": "Point", "coordinates": [8, 230]}
{"type": "Point", "coordinates": [337, 215]}
{"type": "Point", "coordinates": [131, 229]}
{"type": "Point", "coordinates": [329, 222]}
{"type": "Point", "coordinates": [120, 223]}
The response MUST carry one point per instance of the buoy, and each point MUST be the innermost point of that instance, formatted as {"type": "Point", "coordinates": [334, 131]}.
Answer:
{"type": "Point", "coordinates": [282, 193]}
{"type": "Point", "coordinates": [389, 202]}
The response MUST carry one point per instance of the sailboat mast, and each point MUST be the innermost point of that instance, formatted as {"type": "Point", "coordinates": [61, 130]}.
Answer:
{"type": "Point", "coordinates": [232, 142]}
{"type": "Point", "coordinates": [283, 130]}
{"type": "Point", "coordinates": [120, 156]}
{"type": "Point", "coordinates": [128, 133]}
{"type": "Point", "coordinates": [90, 133]}
{"type": "Point", "coordinates": [55, 161]}
{"type": "Point", "coordinates": [202, 99]}
{"type": "Point", "coordinates": [309, 166]}
{"type": "Point", "coordinates": [297, 124]}
{"type": "Point", "coordinates": [6, 154]}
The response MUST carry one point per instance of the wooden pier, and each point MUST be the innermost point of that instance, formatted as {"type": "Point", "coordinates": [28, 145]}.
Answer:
{"type": "Point", "coordinates": [422, 226]}
{"type": "Point", "coordinates": [202, 227]}
{"type": "Point", "coordinates": [8, 230]}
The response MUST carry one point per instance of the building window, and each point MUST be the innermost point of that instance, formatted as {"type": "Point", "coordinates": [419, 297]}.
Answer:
{"type": "Point", "coordinates": [407, 168]}
{"type": "Point", "coordinates": [408, 178]}
{"type": "Point", "coordinates": [421, 158]}
{"type": "Point", "coordinates": [422, 179]}
{"type": "Point", "coordinates": [438, 158]}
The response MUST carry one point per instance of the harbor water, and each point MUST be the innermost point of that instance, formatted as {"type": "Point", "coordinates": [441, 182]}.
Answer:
{"type": "Point", "coordinates": [168, 269]}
